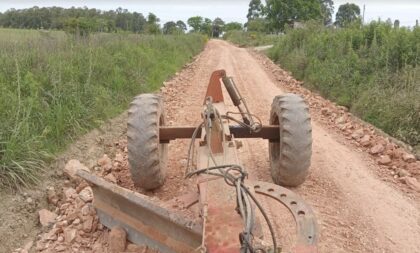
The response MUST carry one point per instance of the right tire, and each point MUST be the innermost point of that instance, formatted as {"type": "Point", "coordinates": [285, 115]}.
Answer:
{"type": "Point", "coordinates": [147, 157]}
{"type": "Point", "coordinates": [290, 156]}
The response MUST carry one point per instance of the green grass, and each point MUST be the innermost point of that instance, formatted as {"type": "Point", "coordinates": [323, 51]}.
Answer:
{"type": "Point", "coordinates": [373, 70]}
{"type": "Point", "coordinates": [250, 39]}
{"type": "Point", "coordinates": [54, 88]}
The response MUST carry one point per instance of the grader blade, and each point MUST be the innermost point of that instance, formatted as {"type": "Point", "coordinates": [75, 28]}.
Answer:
{"type": "Point", "coordinates": [145, 222]}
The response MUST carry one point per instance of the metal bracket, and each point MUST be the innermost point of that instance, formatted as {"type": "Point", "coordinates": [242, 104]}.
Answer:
{"type": "Point", "coordinates": [306, 226]}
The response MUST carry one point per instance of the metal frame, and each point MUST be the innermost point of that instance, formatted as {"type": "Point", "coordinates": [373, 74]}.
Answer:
{"type": "Point", "coordinates": [170, 133]}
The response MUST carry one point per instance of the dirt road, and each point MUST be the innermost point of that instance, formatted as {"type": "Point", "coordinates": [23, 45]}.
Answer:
{"type": "Point", "coordinates": [357, 210]}
{"type": "Point", "coordinates": [360, 206]}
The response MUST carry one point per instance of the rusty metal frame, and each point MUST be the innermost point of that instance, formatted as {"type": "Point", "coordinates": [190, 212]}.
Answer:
{"type": "Point", "coordinates": [145, 222]}
{"type": "Point", "coordinates": [167, 231]}
{"type": "Point", "coordinates": [306, 225]}
{"type": "Point", "coordinates": [170, 133]}
{"type": "Point", "coordinates": [214, 89]}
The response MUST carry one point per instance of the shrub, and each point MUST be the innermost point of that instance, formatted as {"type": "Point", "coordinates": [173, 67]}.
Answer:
{"type": "Point", "coordinates": [374, 70]}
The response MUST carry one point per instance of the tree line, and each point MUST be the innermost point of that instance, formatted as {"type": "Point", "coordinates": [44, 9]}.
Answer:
{"type": "Point", "coordinates": [86, 20]}
{"type": "Point", "coordinates": [272, 17]}
{"type": "Point", "coordinates": [276, 15]}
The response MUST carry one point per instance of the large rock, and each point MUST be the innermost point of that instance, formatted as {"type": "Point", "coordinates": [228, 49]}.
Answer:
{"type": "Point", "coordinates": [88, 224]}
{"type": "Point", "coordinates": [52, 196]}
{"type": "Point", "coordinates": [377, 149]}
{"type": "Point", "coordinates": [403, 173]}
{"type": "Point", "coordinates": [117, 239]}
{"type": "Point", "coordinates": [70, 193]}
{"type": "Point", "coordinates": [384, 160]}
{"type": "Point", "coordinates": [46, 217]}
{"type": "Point", "coordinates": [412, 183]}
{"type": "Point", "coordinates": [111, 178]}
{"type": "Point", "coordinates": [119, 158]}
{"type": "Point", "coordinates": [358, 134]}
{"type": "Point", "coordinates": [86, 194]}
{"type": "Point", "coordinates": [69, 234]}
{"type": "Point", "coordinates": [105, 163]}
{"type": "Point", "coordinates": [365, 141]}
{"type": "Point", "coordinates": [340, 120]}
{"type": "Point", "coordinates": [72, 167]}
{"type": "Point", "coordinates": [133, 248]}
{"type": "Point", "coordinates": [409, 158]}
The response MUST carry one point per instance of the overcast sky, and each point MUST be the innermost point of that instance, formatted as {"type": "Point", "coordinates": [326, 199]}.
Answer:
{"type": "Point", "coordinates": [407, 11]}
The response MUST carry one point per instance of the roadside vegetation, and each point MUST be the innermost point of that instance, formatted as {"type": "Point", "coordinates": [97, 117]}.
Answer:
{"type": "Point", "coordinates": [249, 39]}
{"type": "Point", "coordinates": [374, 70]}
{"type": "Point", "coordinates": [54, 87]}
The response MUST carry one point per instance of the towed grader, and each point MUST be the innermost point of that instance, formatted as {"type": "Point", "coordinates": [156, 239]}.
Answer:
{"type": "Point", "coordinates": [230, 215]}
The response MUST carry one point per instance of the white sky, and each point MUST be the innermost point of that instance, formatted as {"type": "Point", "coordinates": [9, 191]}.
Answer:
{"type": "Point", "coordinates": [407, 11]}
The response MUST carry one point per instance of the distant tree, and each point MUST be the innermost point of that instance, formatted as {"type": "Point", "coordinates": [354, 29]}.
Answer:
{"type": "Point", "coordinates": [152, 19]}
{"type": "Point", "coordinates": [195, 23]}
{"type": "Point", "coordinates": [80, 27]}
{"type": "Point", "coordinates": [396, 24]}
{"type": "Point", "coordinates": [207, 27]}
{"type": "Point", "coordinates": [232, 26]}
{"type": "Point", "coordinates": [327, 9]}
{"type": "Point", "coordinates": [217, 27]}
{"type": "Point", "coordinates": [138, 22]}
{"type": "Point", "coordinates": [152, 26]}
{"type": "Point", "coordinates": [257, 25]}
{"type": "Point", "coordinates": [170, 28]}
{"type": "Point", "coordinates": [347, 14]}
{"type": "Point", "coordinates": [181, 25]}
{"type": "Point", "coordinates": [285, 12]}
{"type": "Point", "coordinates": [76, 18]}
{"type": "Point", "coordinates": [255, 10]}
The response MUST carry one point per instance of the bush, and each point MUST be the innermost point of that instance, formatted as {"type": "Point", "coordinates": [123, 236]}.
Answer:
{"type": "Point", "coordinates": [374, 70]}
{"type": "Point", "coordinates": [54, 87]}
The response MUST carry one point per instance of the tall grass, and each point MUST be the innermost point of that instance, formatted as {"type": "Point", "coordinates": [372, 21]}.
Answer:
{"type": "Point", "coordinates": [373, 70]}
{"type": "Point", "coordinates": [53, 88]}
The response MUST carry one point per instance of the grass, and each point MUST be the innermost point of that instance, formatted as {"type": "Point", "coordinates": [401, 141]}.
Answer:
{"type": "Point", "coordinates": [250, 39]}
{"type": "Point", "coordinates": [373, 70]}
{"type": "Point", "coordinates": [54, 88]}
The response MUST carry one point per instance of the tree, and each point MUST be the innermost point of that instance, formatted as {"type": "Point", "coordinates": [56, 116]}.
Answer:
{"type": "Point", "coordinates": [327, 9]}
{"type": "Point", "coordinates": [206, 27]}
{"type": "Point", "coordinates": [257, 25]}
{"type": "Point", "coordinates": [217, 27]}
{"type": "Point", "coordinates": [152, 26]}
{"type": "Point", "coordinates": [170, 28]}
{"type": "Point", "coordinates": [195, 23]}
{"type": "Point", "coordinates": [347, 14]}
{"type": "Point", "coordinates": [181, 25]}
{"type": "Point", "coordinates": [285, 12]}
{"type": "Point", "coordinates": [74, 18]}
{"type": "Point", "coordinates": [255, 10]}
{"type": "Point", "coordinates": [232, 26]}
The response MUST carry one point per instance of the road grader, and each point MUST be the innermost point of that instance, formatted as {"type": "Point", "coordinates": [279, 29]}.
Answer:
{"type": "Point", "coordinates": [230, 214]}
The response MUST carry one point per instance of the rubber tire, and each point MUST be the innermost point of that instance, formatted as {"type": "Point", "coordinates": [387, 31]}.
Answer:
{"type": "Point", "coordinates": [147, 157]}
{"type": "Point", "coordinates": [290, 157]}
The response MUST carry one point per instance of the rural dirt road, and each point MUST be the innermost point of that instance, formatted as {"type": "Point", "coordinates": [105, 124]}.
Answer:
{"type": "Point", "coordinates": [357, 210]}
{"type": "Point", "coordinates": [360, 206]}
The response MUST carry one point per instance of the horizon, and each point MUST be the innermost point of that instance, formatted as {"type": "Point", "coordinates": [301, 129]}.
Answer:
{"type": "Point", "coordinates": [406, 11]}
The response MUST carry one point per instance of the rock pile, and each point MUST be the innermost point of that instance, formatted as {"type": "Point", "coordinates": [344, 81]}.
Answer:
{"type": "Point", "coordinates": [72, 225]}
